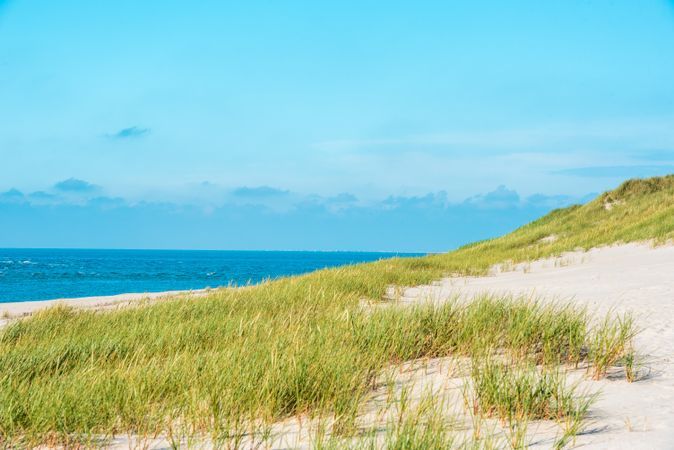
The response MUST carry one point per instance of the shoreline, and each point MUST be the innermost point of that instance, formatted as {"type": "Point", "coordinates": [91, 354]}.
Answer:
{"type": "Point", "coordinates": [625, 278]}
{"type": "Point", "coordinates": [15, 309]}
{"type": "Point", "coordinates": [11, 310]}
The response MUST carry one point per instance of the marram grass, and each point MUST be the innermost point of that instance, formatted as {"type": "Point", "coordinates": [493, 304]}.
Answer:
{"type": "Point", "coordinates": [233, 357]}
{"type": "Point", "coordinates": [303, 344]}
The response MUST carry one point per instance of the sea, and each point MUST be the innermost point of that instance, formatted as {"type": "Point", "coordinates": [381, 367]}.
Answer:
{"type": "Point", "coordinates": [44, 274]}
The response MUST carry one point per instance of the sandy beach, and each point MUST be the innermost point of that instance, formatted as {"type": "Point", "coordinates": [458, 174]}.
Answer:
{"type": "Point", "coordinates": [634, 278]}
{"type": "Point", "coordinates": [12, 310]}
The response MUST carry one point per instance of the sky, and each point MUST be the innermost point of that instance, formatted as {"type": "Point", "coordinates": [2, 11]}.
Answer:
{"type": "Point", "coordinates": [351, 125]}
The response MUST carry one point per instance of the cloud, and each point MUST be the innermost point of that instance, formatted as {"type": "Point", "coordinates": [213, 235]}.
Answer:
{"type": "Point", "coordinates": [42, 198]}
{"type": "Point", "coordinates": [617, 171]}
{"type": "Point", "coordinates": [76, 186]}
{"type": "Point", "coordinates": [343, 198]}
{"type": "Point", "coordinates": [557, 201]}
{"type": "Point", "coordinates": [259, 192]}
{"type": "Point", "coordinates": [107, 202]}
{"type": "Point", "coordinates": [501, 197]}
{"type": "Point", "coordinates": [41, 195]}
{"type": "Point", "coordinates": [430, 201]}
{"type": "Point", "coordinates": [337, 204]}
{"type": "Point", "coordinates": [12, 196]}
{"type": "Point", "coordinates": [429, 222]}
{"type": "Point", "coordinates": [557, 137]}
{"type": "Point", "coordinates": [655, 155]}
{"type": "Point", "coordinates": [130, 133]}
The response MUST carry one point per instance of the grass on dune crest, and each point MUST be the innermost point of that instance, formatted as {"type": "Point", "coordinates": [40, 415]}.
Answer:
{"type": "Point", "coordinates": [301, 344]}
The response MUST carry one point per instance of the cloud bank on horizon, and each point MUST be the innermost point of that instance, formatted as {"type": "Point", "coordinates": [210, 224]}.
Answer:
{"type": "Point", "coordinates": [332, 116]}
{"type": "Point", "coordinates": [262, 218]}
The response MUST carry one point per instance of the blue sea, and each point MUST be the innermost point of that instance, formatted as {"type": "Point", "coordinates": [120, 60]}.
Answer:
{"type": "Point", "coordinates": [43, 274]}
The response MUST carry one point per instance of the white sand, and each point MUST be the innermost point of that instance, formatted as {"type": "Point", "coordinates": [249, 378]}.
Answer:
{"type": "Point", "coordinates": [18, 309]}
{"type": "Point", "coordinates": [629, 278]}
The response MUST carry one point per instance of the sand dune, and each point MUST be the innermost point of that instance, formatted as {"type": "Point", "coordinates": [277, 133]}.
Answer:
{"type": "Point", "coordinates": [632, 278]}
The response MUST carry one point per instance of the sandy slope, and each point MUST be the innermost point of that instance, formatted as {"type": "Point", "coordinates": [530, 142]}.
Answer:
{"type": "Point", "coordinates": [635, 278]}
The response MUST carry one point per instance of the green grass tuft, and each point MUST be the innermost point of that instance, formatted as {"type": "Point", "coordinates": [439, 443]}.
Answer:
{"type": "Point", "coordinates": [521, 392]}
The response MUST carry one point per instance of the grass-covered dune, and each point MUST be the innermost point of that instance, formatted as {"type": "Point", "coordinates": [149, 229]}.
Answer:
{"type": "Point", "coordinates": [218, 365]}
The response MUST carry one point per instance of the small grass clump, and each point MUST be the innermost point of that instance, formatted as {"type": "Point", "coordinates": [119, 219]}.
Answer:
{"type": "Point", "coordinates": [425, 426]}
{"type": "Point", "coordinates": [521, 392]}
{"type": "Point", "coordinates": [517, 393]}
{"type": "Point", "coordinates": [610, 343]}
{"type": "Point", "coordinates": [419, 426]}
{"type": "Point", "coordinates": [523, 328]}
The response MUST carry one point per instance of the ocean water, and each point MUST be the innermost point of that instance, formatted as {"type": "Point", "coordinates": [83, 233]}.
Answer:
{"type": "Point", "coordinates": [42, 274]}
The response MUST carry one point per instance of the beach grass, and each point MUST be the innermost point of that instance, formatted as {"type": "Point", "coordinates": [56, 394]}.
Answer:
{"type": "Point", "coordinates": [516, 393]}
{"type": "Point", "coordinates": [221, 365]}
{"type": "Point", "coordinates": [213, 365]}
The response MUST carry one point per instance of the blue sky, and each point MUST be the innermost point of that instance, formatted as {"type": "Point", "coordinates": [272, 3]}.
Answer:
{"type": "Point", "coordinates": [314, 125]}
